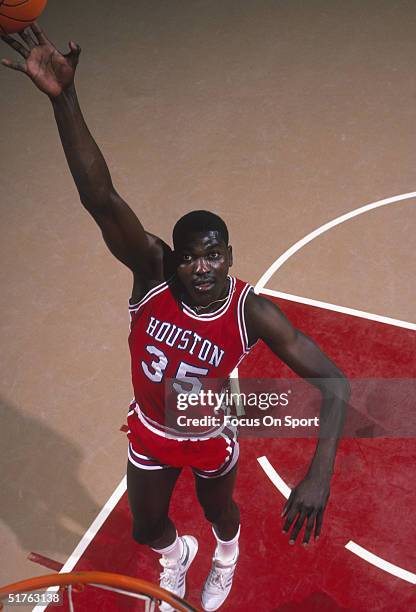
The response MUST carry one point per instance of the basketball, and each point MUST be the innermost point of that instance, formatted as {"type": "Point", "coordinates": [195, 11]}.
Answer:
{"type": "Point", "coordinates": [16, 15]}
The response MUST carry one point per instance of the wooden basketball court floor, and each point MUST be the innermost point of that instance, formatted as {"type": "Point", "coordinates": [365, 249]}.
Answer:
{"type": "Point", "coordinates": [296, 122]}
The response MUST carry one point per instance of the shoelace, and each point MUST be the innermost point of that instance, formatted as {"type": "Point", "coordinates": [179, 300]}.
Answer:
{"type": "Point", "coordinates": [168, 576]}
{"type": "Point", "coordinates": [217, 577]}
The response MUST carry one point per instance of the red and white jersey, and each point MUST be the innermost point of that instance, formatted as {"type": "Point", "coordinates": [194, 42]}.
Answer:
{"type": "Point", "coordinates": [168, 340]}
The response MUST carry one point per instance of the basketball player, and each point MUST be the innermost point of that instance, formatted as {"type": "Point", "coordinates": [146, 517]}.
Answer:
{"type": "Point", "coordinates": [189, 320]}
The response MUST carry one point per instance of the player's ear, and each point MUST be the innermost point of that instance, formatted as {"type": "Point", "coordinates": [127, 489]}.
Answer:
{"type": "Point", "coordinates": [230, 256]}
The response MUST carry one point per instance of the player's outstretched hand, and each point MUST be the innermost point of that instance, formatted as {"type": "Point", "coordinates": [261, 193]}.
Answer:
{"type": "Point", "coordinates": [51, 71]}
{"type": "Point", "coordinates": [306, 504]}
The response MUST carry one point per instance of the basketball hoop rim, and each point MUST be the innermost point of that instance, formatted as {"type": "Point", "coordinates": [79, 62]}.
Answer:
{"type": "Point", "coordinates": [110, 579]}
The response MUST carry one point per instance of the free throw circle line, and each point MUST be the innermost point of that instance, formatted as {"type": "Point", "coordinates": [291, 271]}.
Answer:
{"type": "Point", "coordinates": [278, 263]}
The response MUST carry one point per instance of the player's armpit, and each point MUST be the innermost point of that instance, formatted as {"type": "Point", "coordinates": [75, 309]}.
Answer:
{"type": "Point", "coordinates": [267, 322]}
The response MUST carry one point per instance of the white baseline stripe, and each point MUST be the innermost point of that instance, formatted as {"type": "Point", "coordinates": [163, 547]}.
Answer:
{"type": "Point", "coordinates": [321, 230]}
{"type": "Point", "coordinates": [343, 309]}
{"type": "Point", "coordinates": [395, 570]}
{"type": "Point", "coordinates": [90, 534]}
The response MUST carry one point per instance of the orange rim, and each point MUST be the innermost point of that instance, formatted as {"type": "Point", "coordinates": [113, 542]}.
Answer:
{"type": "Point", "coordinates": [136, 585]}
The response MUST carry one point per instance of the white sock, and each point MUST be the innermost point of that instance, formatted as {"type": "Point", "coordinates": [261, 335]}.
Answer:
{"type": "Point", "coordinates": [173, 552]}
{"type": "Point", "coordinates": [226, 550]}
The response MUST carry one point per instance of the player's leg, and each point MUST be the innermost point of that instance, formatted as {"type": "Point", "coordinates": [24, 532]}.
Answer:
{"type": "Point", "coordinates": [216, 498]}
{"type": "Point", "coordinates": [149, 494]}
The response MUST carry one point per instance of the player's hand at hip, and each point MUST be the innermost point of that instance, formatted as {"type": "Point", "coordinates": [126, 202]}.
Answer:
{"type": "Point", "coordinates": [50, 70]}
{"type": "Point", "coordinates": [305, 507]}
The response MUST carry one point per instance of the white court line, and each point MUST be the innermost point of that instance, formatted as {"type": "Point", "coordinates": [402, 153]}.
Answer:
{"type": "Point", "coordinates": [278, 482]}
{"type": "Point", "coordinates": [366, 555]}
{"type": "Point", "coordinates": [344, 309]}
{"type": "Point", "coordinates": [395, 570]}
{"type": "Point", "coordinates": [90, 534]}
{"type": "Point", "coordinates": [322, 229]}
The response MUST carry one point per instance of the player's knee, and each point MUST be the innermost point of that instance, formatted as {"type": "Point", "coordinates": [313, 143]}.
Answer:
{"type": "Point", "coordinates": [221, 513]}
{"type": "Point", "coordinates": [147, 532]}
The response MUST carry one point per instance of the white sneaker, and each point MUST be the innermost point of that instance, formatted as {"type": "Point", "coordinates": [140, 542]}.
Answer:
{"type": "Point", "coordinates": [173, 576]}
{"type": "Point", "coordinates": [218, 584]}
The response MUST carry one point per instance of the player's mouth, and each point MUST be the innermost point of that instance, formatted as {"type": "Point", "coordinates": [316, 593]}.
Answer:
{"type": "Point", "coordinates": [203, 286]}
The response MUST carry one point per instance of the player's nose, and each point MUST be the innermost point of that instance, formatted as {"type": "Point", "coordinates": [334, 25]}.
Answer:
{"type": "Point", "coordinates": [201, 266]}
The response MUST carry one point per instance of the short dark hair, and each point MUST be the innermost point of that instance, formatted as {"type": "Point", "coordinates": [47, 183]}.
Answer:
{"type": "Point", "coordinates": [198, 221]}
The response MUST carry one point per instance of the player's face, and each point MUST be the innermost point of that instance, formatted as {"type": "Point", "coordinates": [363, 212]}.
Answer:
{"type": "Point", "coordinates": [202, 267]}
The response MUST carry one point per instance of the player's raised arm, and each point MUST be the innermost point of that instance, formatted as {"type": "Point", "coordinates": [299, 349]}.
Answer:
{"type": "Point", "coordinates": [53, 73]}
{"type": "Point", "coordinates": [308, 499]}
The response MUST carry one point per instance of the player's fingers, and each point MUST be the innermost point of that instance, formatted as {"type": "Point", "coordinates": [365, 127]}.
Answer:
{"type": "Point", "coordinates": [318, 526]}
{"type": "Point", "coordinates": [73, 55]}
{"type": "Point", "coordinates": [16, 45]}
{"type": "Point", "coordinates": [287, 505]}
{"type": "Point", "coordinates": [291, 515]}
{"type": "Point", "coordinates": [309, 527]}
{"type": "Point", "coordinates": [38, 32]}
{"type": "Point", "coordinates": [27, 37]}
{"type": "Point", "coordinates": [75, 48]}
{"type": "Point", "coordinates": [297, 527]}
{"type": "Point", "coordinates": [14, 65]}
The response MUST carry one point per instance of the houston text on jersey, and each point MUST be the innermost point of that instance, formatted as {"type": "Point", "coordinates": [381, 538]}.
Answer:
{"type": "Point", "coordinates": [185, 340]}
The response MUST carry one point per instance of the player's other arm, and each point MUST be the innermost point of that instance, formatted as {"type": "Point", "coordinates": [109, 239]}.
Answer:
{"type": "Point", "coordinates": [308, 500]}
{"type": "Point", "coordinates": [53, 73]}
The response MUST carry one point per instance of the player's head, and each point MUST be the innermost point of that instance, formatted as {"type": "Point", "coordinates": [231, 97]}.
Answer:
{"type": "Point", "coordinates": [198, 221]}
{"type": "Point", "coordinates": [203, 255]}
